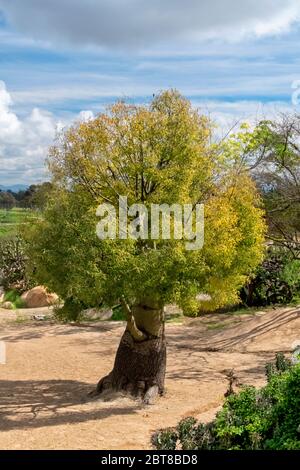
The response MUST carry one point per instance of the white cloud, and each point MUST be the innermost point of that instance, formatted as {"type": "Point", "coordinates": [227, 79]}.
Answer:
{"type": "Point", "coordinates": [9, 123]}
{"type": "Point", "coordinates": [24, 142]}
{"type": "Point", "coordinates": [86, 115]}
{"type": "Point", "coordinates": [139, 23]}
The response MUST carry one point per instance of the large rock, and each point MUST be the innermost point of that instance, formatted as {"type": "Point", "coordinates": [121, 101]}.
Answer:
{"type": "Point", "coordinates": [39, 297]}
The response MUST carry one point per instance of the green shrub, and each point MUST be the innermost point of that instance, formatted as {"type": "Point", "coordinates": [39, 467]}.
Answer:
{"type": "Point", "coordinates": [13, 274]}
{"type": "Point", "coordinates": [291, 274]}
{"type": "Point", "coordinates": [118, 314]}
{"type": "Point", "coordinates": [10, 296]}
{"type": "Point", "coordinates": [165, 440]}
{"type": "Point", "coordinates": [14, 297]}
{"type": "Point", "coordinates": [71, 311]}
{"type": "Point", "coordinates": [266, 418]}
{"type": "Point", "coordinates": [277, 281]}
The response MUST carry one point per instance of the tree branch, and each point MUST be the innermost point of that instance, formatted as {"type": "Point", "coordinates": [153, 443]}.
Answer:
{"type": "Point", "coordinates": [137, 334]}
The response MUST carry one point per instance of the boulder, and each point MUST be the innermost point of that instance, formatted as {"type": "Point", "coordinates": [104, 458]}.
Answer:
{"type": "Point", "coordinates": [39, 297]}
{"type": "Point", "coordinates": [7, 306]}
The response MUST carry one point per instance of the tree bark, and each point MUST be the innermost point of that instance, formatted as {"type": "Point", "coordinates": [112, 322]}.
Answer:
{"type": "Point", "coordinates": [140, 362]}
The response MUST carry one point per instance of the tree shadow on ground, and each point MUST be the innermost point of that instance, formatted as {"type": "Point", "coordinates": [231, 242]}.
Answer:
{"type": "Point", "coordinates": [40, 329]}
{"type": "Point", "coordinates": [230, 338]}
{"type": "Point", "coordinates": [33, 404]}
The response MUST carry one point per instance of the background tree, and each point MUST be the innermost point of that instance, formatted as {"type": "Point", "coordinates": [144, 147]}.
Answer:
{"type": "Point", "coordinates": [35, 197]}
{"type": "Point", "coordinates": [270, 151]}
{"type": "Point", "coordinates": [161, 153]}
{"type": "Point", "coordinates": [7, 200]}
{"type": "Point", "coordinates": [273, 153]}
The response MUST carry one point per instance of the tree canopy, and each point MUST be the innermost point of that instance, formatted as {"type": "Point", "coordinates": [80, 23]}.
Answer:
{"type": "Point", "coordinates": [159, 153]}
{"type": "Point", "coordinates": [277, 173]}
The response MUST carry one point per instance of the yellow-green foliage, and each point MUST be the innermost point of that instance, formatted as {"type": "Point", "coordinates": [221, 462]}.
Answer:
{"type": "Point", "coordinates": [161, 153]}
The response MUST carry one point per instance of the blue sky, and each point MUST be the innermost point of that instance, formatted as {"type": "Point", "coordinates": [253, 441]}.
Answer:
{"type": "Point", "coordinates": [65, 60]}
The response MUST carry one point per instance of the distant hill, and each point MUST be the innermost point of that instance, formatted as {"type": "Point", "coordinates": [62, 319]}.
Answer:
{"type": "Point", "coordinates": [14, 187]}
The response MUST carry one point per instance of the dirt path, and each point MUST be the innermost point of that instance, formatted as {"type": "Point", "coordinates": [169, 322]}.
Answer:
{"type": "Point", "coordinates": [51, 368]}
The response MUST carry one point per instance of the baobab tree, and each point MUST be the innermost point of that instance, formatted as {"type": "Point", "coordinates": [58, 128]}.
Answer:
{"type": "Point", "coordinates": [161, 153]}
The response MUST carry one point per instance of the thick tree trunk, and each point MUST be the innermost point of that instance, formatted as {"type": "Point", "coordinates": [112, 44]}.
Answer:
{"type": "Point", "coordinates": [140, 362]}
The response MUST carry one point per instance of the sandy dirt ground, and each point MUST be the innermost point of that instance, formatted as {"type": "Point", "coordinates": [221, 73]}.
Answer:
{"type": "Point", "coordinates": [51, 368]}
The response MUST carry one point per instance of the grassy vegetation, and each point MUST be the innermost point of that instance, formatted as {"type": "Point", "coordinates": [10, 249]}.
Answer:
{"type": "Point", "coordinates": [118, 314]}
{"type": "Point", "coordinates": [14, 297]}
{"type": "Point", "coordinates": [295, 302]}
{"type": "Point", "coordinates": [8, 230]}
{"type": "Point", "coordinates": [10, 219]}
{"type": "Point", "coordinates": [250, 419]}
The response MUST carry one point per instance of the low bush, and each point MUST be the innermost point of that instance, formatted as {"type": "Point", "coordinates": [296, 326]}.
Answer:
{"type": "Point", "coordinates": [13, 274]}
{"type": "Point", "coordinates": [71, 311]}
{"type": "Point", "coordinates": [277, 281]}
{"type": "Point", "coordinates": [266, 418]}
{"type": "Point", "coordinates": [118, 313]}
{"type": "Point", "coordinates": [14, 297]}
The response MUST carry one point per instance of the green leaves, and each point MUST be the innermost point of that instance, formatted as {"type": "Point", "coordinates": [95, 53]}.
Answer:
{"type": "Point", "coordinates": [160, 154]}
{"type": "Point", "coordinates": [13, 265]}
{"type": "Point", "coordinates": [266, 418]}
